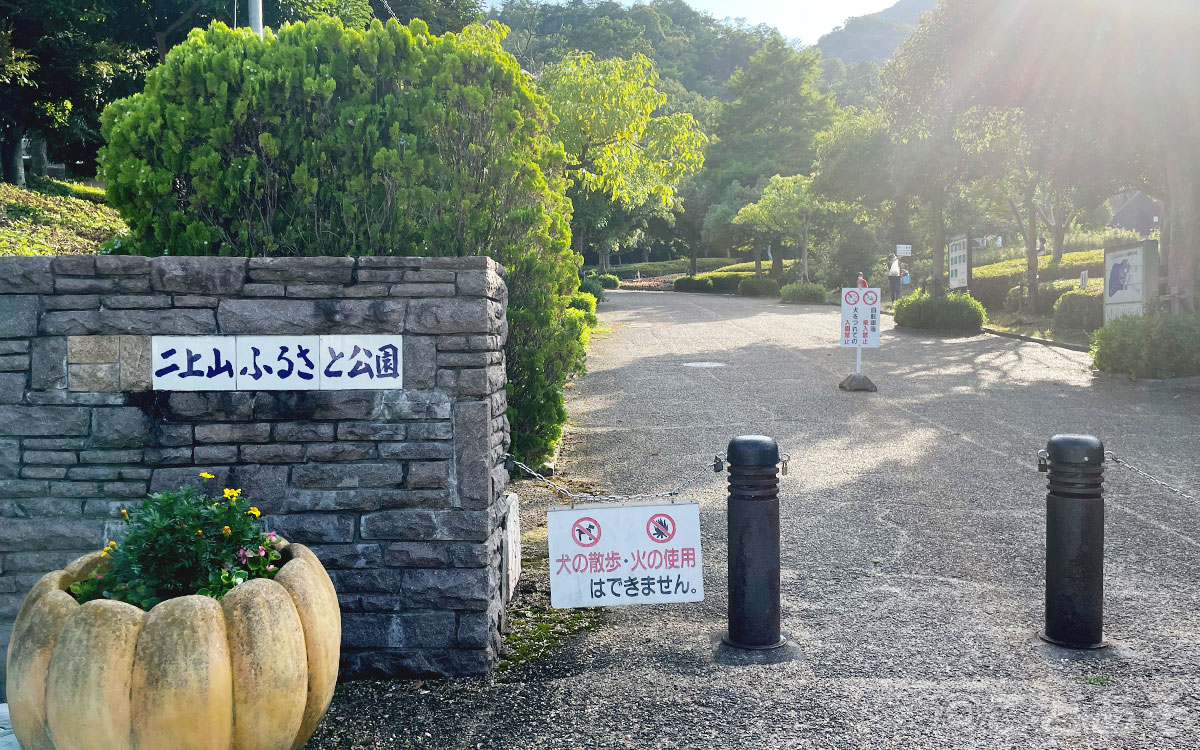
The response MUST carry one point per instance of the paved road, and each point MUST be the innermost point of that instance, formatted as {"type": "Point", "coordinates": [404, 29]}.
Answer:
{"type": "Point", "coordinates": [913, 548]}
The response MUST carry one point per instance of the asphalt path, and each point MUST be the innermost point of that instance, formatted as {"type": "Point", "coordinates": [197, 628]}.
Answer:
{"type": "Point", "coordinates": [913, 548]}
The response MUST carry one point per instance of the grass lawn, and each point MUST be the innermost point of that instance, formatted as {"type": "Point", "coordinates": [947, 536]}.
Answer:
{"type": "Point", "coordinates": [54, 217]}
{"type": "Point", "coordinates": [664, 267]}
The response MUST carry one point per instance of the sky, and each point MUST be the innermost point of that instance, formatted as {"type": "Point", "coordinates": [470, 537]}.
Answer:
{"type": "Point", "coordinates": [803, 19]}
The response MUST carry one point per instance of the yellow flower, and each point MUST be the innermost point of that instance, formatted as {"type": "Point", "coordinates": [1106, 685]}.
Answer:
{"type": "Point", "coordinates": [199, 532]}
{"type": "Point", "coordinates": [215, 504]}
{"type": "Point", "coordinates": [124, 514]}
{"type": "Point", "coordinates": [206, 476]}
{"type": "Point", "coordinates": [226, 531]}
{"type": "Point", "coordinates": [254, 512]}
{"type": "Point", "coordinates": [232, 494]}
{"type": "Point", "coordinates": [112, 544]}
{"type": "Point", "coordinates": [104, 552]}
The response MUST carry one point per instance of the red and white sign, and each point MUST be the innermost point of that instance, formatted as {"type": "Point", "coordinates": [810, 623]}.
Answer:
{"type": "Point", "coordinates": [648, 553]}
{"type": "Point", "coordinates": [860, 318]}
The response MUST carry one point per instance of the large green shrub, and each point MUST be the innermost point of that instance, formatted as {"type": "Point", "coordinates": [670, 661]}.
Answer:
{"type": "Point", "coordinates": [1154, 346]}
{"type": "Point", "coordinates": [810, 294]}
{"type": "Point", "coordinates": [1080, 310]}
{"type": "Point", "coordinates": [693, 284]}
{"type": "Point", "coordinates": [1048, 294]}
{"type": "Point", "coordinates": [587, 303]}
{"type": "Point", "coordinates": [323, 140]}
{"type": "Point", "coordinates": [592, 286]}
{"type": "Point", "coordinates": [608, 281]}
{"type": "Point", "coordinates": [991, 284]}
{"type": "Point", "coordinates": [667, 267]}
{"type": "Point", "coordinates": [958, 313]}
{"type": "Point", "coordinates": [758, 287]}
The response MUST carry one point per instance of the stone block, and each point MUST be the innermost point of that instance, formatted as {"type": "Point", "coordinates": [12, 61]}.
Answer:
{"type": "Point", "coordinates": [43, 472]}
{"type": "Point", "coordinates": [430, 431]}
{"type": "Point", "coordinates": [302, 432]}
{"type": "Point", "coordinates": [93, 473]}
{"type": "Point", "coordinates": [129, 489]}
{"type": "Point", "coordinates": [135, 363]}
{"type": "Point", "coordinates": [196, 300]}
{"type": "Point", "coordinates": [423, 554]}
{"type": "Point", "coordinates": [126, 427]}
{"type": "Point", "coordinates": [414, 450]}
{"type": "Point", "coordinates": [400, 630]}
{"type": "Point", "coordinates": [14, 347]}
{"type": "Point", "coordinates": [289, 316]}
{"type": "Point", "coordinates": [172, 434]}
{"type": "Point", "coordinates": [371, 431]}
{"type": "Point", "coordinates": [22, 488]}
{"type": "Point", "coordinates": [475, 629]}
{"type": "Point", "coordinates": [37, 562]}
{"type": "Point", "coordinates": [44, 421]}
{"type": "Point", "coordinates": [71, 302]}
{"type": "Point", "coordinates": [138, 302]}
{"type": "Point", "coordinates": [74, 265]}
{"type": "Point", "coordinates": [379, 663]}
{"type": "Point", "coordinates": [48, 364]}
{"type": "Point", "coordinates": [447, 316]}
{"type": "Point", "coordinates": [425, 525]}
{"type": "Point", "coordinates": [421, 290]}
{"type": "Point", "coordinates": [312, 528]}
{"type": "Point", "coordinates": [49, 457]}
{"type": "Point", "coordinates": [94, 378]}
{"type": "Point", "coordinates": [110, 456]}
{"type": "Point", "coordinates": [481, 284]}
{"type": "Point", "coordinates": [314, 291]}
{"type": "Point", "coordinates": [101, 285]}
{"type": "Point", "coordinates": [365, 500]}
{"type": "Point", "coordinates": [26, 275]}
{"type": "Point", "coordinates": [427, 276]}
{"type": "Point", "coordinates": [420, 362]}
{"type": "Point", "coordinates": [54, 444]}
{"type": "Point", "coordinates": [18, 315]}
{"type": "Point", "coordinates": [93, 349]}
{"type": "Point", "coordinates": [23, 535]}
{"type": "Point", "coordinates": [460, 588]}
{"type": "Point", "coordinates": [413, 405]}
{"type": "Point", "coordinates": [364, 290]}
{"type": "Point", "coordinates": [10, 458]}
{"type": "Point", "coordinates": [264, 290]}
{"type": "Point", "coordinates": [349, 555]}
{"type": "Point", "coordinates": [175, 321]}
{"type": "Point", "coordinates": [216, 454]}
{"type": "Point", "coordinates": [12, 387]}
{"type": "Point", "coordinates": [168, 456]}
{"type": "Point", "coordinates": [245, 432]}
{"type": "Point", "coordinates": [427, 474]}
{"type": "Point", "coordinates": [14, 362]}
{"type": "Point", "coordinates": [272, 453]}
{"type": "Point", "coordinates": [348, 476]}
{"type": "Point", "coordinates": [122, 265]}
{"type": "Point", "coordinates": [326, 270]}
{"type": "Point", "coordinates": [216, 276]}
{"type": "Point", "coordinates": [331, 405]}
{"type": "Point", "coordinates": [204, 405]}
{"type": "Point", "coordinates": [341, 451]}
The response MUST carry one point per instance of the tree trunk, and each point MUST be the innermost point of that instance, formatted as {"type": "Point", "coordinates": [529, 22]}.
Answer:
{"type": "Point", "coordinates": [603, 253]}
{"type": "Point", "coordinates": [804, 268]}
{"type": "Point", "coordinates": [757, 260]}
{"type": "Point", "coordinates": [938, 212]}
{"type": "Point", "coordinates": [12, 157]}
{"type": "Point", "coordinates": [1183, 191]}
{"type": "Point", "coordinates": [777, 263]}
{"type": "Point", "coordinates": [695, 252]}
{"type": "Point", "coordinates": [1031, 252]}
{"type": "Point", "coordinates": [646, 254]}
{"type": "Point", "coordinates": [1059, 239]}
{"type": "Point", "coordinates": [37, 151]}
{"type": "Point", "coordinates": [160, 40]}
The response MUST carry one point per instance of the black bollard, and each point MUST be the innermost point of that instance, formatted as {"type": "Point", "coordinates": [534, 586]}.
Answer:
{"type": "Point", "coordinates": [753, 543]}
{"type": "Point", "coordinates": [1074, 541]}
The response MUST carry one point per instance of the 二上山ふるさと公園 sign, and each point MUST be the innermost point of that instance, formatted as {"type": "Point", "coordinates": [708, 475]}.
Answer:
{"type": "Point", "coordinates": [611, 555]}
{"type": "Point", "coordinates": [860, 318]}
{"type": "Point", "coordinates": [276, 363]}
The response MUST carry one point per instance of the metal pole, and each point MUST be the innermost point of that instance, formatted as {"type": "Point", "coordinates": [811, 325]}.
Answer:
{"type": "Point", "coordinates": [256, 21]}
{"type": "Point", "coordinates": [753, 543]}
{"type": "Point", "coordinates": [858, 360]}
{"type": "Point", "coordinates": [1074, 541]}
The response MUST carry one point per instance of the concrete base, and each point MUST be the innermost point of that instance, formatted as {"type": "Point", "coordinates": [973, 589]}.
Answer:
{"type": "Point", "coordinates": [857, 382]}
{"type": "Point", "coordinates": [733, 656]}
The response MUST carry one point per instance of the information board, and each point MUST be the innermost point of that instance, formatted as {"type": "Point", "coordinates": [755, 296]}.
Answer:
{"type": "Point", "coordinates": [959, 262]}
{"type": "Point", "coordinates": [621, 554]}
{"type": "Point", "coordinates": [860, 318]}
{"type": "Point", "coordinates": [903, 251]}
{"type": "Point", "coordinates": [1130, 280]}
{"type": "Point", "coordinates": [276, 363]}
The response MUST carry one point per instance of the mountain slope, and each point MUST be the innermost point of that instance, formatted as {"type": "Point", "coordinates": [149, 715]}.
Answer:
{"type": "Point", "coordinates": [875, 37]}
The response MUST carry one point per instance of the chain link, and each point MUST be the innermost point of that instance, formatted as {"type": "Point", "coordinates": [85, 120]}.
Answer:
{"type": "Point", "coordinates": [1111, 457]}
{"type": "Point", "coordinates": [589, 498]}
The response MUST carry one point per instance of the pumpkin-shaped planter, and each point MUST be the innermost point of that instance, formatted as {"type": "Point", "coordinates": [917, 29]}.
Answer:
{"type": "Point", "coordinates": [253, 671]}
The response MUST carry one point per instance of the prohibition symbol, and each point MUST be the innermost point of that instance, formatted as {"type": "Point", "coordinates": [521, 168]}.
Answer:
{"type": "Point", "coordinates": [851, 297]}
{"type": "Point", "coordinates": [660, 528]}
{"type": "Point", "coordinates": [585, 532]}
{"type": "Point", "coordinates": [870, 297]}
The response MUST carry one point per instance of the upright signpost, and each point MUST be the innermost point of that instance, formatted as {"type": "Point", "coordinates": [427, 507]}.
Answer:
{"type": "Point", "coordinates": [1130, 280]}
{"type": "Point", "coordinates": [960, 261]}
{"type": "Point", "coordinates": [903, 251]}
{"type": "Point", "coordinates": [860, 328]}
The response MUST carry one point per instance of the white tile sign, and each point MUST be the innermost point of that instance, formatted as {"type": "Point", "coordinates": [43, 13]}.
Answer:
{"type": "Point", "coordinates": [276, 363]}
{"type": "Point", "coordinates": [860, 317]}
{"type": "Point", "coordinates": [612, 555]}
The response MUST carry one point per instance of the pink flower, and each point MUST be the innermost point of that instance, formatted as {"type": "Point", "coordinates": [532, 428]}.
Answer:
{"type": "Point", "coordinates": [270, 567]}
{"type": "Point", "coordinates": [270, 536]}
{"type": "Point", "coordinates": [241, 556]}
{"type": "Point", "coordinates": [99, 576]}
{"type": "Point", "coordinates": [262, 551]}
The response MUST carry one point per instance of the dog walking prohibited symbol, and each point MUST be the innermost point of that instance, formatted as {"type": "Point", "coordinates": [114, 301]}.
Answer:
{"type": "Point", "coordinates": [660, 528]}
{"type": "Point", "coordinates": [870, 297]}
{"type": "Point", "coordinates": [586, 532]}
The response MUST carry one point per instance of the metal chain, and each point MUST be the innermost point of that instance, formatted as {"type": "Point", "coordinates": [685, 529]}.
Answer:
{"type": "Point", "coordinates": [1111, 457]}
{"type": "Point", "coordinates": [589, 498]}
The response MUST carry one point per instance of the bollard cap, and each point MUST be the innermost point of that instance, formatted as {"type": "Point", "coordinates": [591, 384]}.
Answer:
{"type": "Point", "coordinates": [1075, 449]}
{"type": "Point", "coordinates": [753, 450]}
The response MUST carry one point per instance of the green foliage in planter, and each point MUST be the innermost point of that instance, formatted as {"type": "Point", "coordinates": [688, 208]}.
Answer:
{"type": "Point", "coordinates": [810, 294]}
{"type": "Point", "coordinates": [587, 303]}
{"type": "Point", "coordinates": [608, 281]}
{"type": "Point", "coordinates": [182, 542]}
{"type": "Point", "coordinates": [693, 284]}
{"type": "Point", "coordinates": [1081, 310]}
{"type": "Point", "coordinates": [592, 286]}
{"type": "Point", "coordinates": [323, 140]}
{"type": "Point", "coordinates": [1154, 346]}
{"type": "Point", "coordinates": [758, 287]}
{"type": "Point", "coordinates": [958, 313]}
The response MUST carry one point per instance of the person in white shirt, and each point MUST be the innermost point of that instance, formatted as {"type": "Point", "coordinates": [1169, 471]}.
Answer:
{"type": "Point", "coordinates": [894, 277]}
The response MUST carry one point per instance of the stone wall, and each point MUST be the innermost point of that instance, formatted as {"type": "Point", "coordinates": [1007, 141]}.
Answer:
{"type": "Point", "coordinates": [399, 492]}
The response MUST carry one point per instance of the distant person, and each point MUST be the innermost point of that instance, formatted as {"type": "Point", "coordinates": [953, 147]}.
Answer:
{"type": "Point", "coordinates": [894, 277]}
{"type": "Point", "coordinates": [862, 283]}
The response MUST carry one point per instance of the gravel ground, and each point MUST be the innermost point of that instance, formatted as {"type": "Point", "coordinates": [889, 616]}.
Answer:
{"type": "Point", "coordinates": [912, 524]}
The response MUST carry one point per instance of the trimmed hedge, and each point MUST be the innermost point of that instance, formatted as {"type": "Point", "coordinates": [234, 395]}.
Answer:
{"type": "Point", "coordinates": [1081, 310]}
{"type": "Point", "coordinates": [591, 285]}
{"type": "Point", "coordinates": [991, 284]}
{"type": "Point", "coordinates": [760, 287]}
{"type": "Point", "coordinates": [808, 294]}
{"type": "Point", "coordinates": [1154, 346]}
{"type": "Point", "coordinates": [749, 266]}
{"type": "Point", "coordinates": [665, 267]}
{"type": "Point", "coordinates": [608, 281]}
{"type": "Point", "coordinates": [1049, 294]}
{"type": "Point", "coordinates": [693, 284]}
{"type": "Point", "coordinates": [959, 313]}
